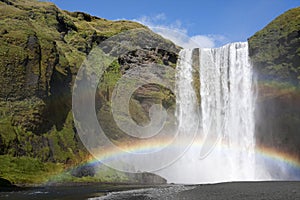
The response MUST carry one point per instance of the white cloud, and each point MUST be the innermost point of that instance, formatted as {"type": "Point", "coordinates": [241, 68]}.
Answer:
{"type": "Point", "coordinates": [203, 41]}
{"type": "Point", "coordinates": [178, 34]}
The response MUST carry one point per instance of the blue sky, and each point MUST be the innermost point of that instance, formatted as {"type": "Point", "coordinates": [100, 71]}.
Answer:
{"type": "Point", "coordinates": [211, 22]}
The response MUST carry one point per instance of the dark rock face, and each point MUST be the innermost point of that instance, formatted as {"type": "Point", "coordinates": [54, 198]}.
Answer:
{"type": "Point", "coordinates": [278, 119]}
{"type": "Point", "coordinates": [143, 49]}
{"type": "Point", "coordinates": [5, 183]}
{"type": "Point", "coordinates": [275, 53]}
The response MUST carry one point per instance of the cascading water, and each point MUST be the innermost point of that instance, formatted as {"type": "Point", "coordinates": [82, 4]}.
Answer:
{"type": "Point", "coordinates": [224, 147]}
{"type": "Point", "coordinates": [228, 106]}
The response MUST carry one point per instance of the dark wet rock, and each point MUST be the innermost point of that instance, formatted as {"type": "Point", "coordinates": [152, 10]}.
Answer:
{"type": "Point", "coordinates": [6, 185]}
{"type": "Point", "coordinates": [275, 53]}
{"type": "Point", "coordinates": [83, 171]}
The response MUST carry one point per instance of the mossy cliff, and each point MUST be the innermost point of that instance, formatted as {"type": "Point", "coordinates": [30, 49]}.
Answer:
{"type": "Point", "coordinates": [41, 50]}
{"type": "Point", "coordinates": [275, 49]}
{"type": "Point", "coordinates": [275, 53]}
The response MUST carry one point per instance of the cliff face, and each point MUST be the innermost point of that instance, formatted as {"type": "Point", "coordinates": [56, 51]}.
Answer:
{"type": "Point", "coordinates": [275, 52]}
{"type": "Point", "coordinates": [41, 50]}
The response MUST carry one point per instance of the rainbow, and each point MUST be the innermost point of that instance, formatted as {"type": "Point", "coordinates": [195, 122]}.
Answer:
{"type": "Point", "coordinates": [272, 155]}
{"type": "Point", "coordinates": [276, 155]}
{"type": "Point", "coordinates": [144, 147]}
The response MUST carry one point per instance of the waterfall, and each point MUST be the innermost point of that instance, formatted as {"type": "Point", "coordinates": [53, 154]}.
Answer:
{"type": "Point", "coordinates": [227, 106]}
{"type": "Point", "coordinates": [187, 112]}
{"type": "Point", "coordinates": [224, 147]}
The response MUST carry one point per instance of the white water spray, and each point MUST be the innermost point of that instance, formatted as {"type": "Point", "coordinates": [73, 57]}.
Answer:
{"type": "Point", "coordinates": [224, 149]}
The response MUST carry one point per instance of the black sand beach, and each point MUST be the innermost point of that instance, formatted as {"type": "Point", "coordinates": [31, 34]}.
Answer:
{"type": "Point", "coordinates": [223, 191]}
{"type": "Point", "coordinates": [244, 190]}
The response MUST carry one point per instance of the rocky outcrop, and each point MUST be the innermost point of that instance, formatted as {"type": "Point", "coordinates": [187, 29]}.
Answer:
{"type": "Point", "coordinates": [147, 178]}
{"type": "Point", "coordinates": [7, 186]}
{"type": "Point", "coordinates": [275, 53]}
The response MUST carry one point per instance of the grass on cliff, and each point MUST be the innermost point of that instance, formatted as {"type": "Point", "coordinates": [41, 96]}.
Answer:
{"type": "Point", "coordinates": [27, 170]}
{"type": "Point", "coordinates": [275, 50]}
{"type": "Point", "coordinates": [103, 174]}
{"type": "Point", "coordinates": [71, 35]}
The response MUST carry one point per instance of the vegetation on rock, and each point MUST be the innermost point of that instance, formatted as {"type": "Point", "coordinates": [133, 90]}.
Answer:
{"type": "Point", "coordinates": [41, 50]}
{"type": "Point", "coordinates": [275, 50]}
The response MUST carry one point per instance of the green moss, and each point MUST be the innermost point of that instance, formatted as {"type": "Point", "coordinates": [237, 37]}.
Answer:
{"type": "Point", "coordinates": [64, 146]}
{"type": "Point", "coordinates": [110, 78]}
{"type": "Point", "coordinates": [57, 32]}
{"type": "Point", "coordinates": [107, 174]}
{"type": "Point", "coordinates": [104, 174]}
{"type": "Point", "coordinates": [137, 112]}
{"type": "Point", "coordinates": [274, 49]}
{"type": "Point", "coordinates": [26, 169]}
{"type": "Point", "coordinates": [7, 132]}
